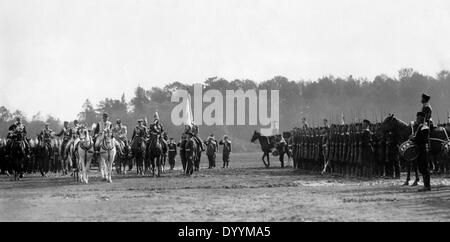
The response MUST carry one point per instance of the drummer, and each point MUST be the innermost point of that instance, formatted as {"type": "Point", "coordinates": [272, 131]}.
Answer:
{"type": "Point", "coordinates": [421, 140]}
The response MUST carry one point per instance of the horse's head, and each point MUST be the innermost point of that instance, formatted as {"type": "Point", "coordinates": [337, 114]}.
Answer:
{"type": "Point", "coordinates": [255, 136]}
{"type": "Point", "coordinates": [388, 125]}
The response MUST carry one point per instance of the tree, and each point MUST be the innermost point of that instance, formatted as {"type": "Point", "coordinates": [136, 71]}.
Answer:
{"type": "Point", "coordinates": [88, 115]}
{"type": "Point", "coordinates": [5, 115]}
{"type": "Point", "coordinates": [139, 100]}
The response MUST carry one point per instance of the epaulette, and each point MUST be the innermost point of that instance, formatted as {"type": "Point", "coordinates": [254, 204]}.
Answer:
{"type": "Point", "coordinates": [424, 127]}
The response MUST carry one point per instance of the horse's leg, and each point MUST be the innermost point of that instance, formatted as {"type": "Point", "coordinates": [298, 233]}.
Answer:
{"type": "Point", "coordinates": [416, 172]}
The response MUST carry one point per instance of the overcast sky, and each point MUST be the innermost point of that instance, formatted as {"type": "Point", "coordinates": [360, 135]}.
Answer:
{"type": "Point", "coordinates": [56, 53]}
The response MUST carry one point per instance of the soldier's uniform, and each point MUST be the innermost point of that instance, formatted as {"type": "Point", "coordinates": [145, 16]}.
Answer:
{"type": "Point", "coordinates": [226, 151]}
{"type": "Point", "coordinates": [172, 148]}
{"type": "Point", "coordinates": [100, 130]}
{"type": "Point", "coordinates": [182, 145]}
{"type": "Point", "coordinates": [139, 131]}
{"type": "Point", "coordinates": [211, 149]}
{"type": "Point", "coordinates": [120, 134]}
{"type": "Point", "coordinates": [66, 134]}
{"type": "Point", "coordinates": [367, 152]}
{"type": "Point", "coordinates": [18, 131]}
{"type": "Point", "coordinates": [46, 136]}
{"type": "Point", "coordinates": [421, 139]}
{"type": "Point", "coordinates": [427, 110]}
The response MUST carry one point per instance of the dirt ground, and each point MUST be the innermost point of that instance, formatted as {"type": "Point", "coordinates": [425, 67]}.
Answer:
{"type": "Point", "coordinates": [244, 192]}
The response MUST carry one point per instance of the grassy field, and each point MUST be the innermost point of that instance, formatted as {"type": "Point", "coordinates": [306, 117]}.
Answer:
{"type": "Point", "coordinates": [244, 192]}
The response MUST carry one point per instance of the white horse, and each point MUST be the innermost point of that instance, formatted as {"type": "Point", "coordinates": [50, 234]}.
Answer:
{"type": "Point", "coordinates": [107, 155]}
{"type": "Point", "coordinates": [84, 153]}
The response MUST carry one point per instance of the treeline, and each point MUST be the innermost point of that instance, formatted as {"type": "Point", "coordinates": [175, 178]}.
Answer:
{"type": "Point", "coordinates": [334, 98]}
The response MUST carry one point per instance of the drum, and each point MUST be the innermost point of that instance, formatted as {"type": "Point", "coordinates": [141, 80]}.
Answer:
{"type": "Point", "coordinates": [408, 151]}
{"type": "Point", "coordinates": [275, 153]}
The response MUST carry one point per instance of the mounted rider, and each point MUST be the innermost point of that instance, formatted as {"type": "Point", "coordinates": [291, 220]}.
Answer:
{"type": "Point", "coordinates": [192, 129]}
{"type": "Point", "coordinates": [140, 131]}
{"type": "Point", "coordinates": [18, 131]}
{"type": "Point", "coordinates": [120, 134]}
{"type": "Point", "coordinates": [66, 133]}
{"type": "Point", "coordinates": [74, 133]}
{"type": "Point", "coordinates": [46, 136]}
{"type": "Point", "coordinates": [101, 129]}
{"type": "Point", "coordinates": [157, 129]}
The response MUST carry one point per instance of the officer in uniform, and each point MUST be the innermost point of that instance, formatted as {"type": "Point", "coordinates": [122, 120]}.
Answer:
{"type": "Point", "coordinates": [139, 131]}
{"type": "Point", "coordinates": [99, 131]}
{"type": "Point", "coordinates": [46, 136]}
{"type": "Point", "coordinates": [426, 109]}
{"type": "Point", "coordinates": [172, 147]}
{"type": "Point", "coordinates": [421, 140]}
{"type": "Point", "coordinates": [18, 131]}
{"type": "Point", "coordinates": [120, 134]}
{"type": "Point", "coordinates": [157, 129]}
{"type": "Point", "coordinates": [66, 133]}
{"type": "Point", "coordinates": [226, 150]}
{"type": "Point", "coordinates": [194, 132]}
{"type": "Point", "coordinates": [211, 149]}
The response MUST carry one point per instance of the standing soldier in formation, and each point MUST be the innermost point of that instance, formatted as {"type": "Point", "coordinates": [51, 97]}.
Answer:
{"type": "Point", "coordinates": [211, 149]}
{"type": "Point", "coordinates": [421, 139]}
{"type": "Point", "coordinates": [172, 147]}
{"type": "Point", "coordinates": [367, 149]}
{"type": "Point", "coordinates": [226, 150]}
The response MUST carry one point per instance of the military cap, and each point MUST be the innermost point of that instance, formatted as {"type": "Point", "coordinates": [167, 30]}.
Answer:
{"type": "Point", "coordinates": [140, 120]}
{"type": "Point", "coordinates": [366, 121]}
{"type": "Point", "coordinates": [75, 121]}
{"type": "Point", "coordinates": [425, 97]}
{"type": "Point", "coordinates": [105, 114]}
{"type": "Point", "coordinates": [66, 122]}
{"type": "Point", "coordinates": [118, 121]}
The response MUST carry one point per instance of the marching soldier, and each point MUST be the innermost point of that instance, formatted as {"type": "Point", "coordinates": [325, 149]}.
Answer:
{"type": "Point", "coordinates": [172, 147]}
{"type": "Point", "coordinates": [421, 139]}
{"type": "Point", "coordinates": [226, 150]}
{"type": "Point", "coordinates": [211, 149]}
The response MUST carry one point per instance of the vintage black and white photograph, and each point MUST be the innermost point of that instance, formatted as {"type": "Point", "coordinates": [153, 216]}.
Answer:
{"type": "Point", "coordinates": [224, 111]}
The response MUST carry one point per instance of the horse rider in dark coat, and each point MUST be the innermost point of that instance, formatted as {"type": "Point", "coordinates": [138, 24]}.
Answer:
{"type": "Point", "coordinates": [66, 133]}
{"type": "Point", "coordinates": [157, 129]}
{"type": "Point", "coordinates": [18, 131]}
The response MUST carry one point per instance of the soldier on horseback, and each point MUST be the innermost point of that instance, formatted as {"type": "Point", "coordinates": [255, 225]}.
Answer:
{"type": "Point", "coordinates": [46, 136]}
{"type": "Point", "coordinates": [157, 129]}
{"type": "Point", "coordinates": [18, 131]}
{"type": "Point", "coordinates": [66, 133]}
{"type": "Point", "coordinates": [120, 133]}
{"type": "Point", "coordinates": [100, 129]}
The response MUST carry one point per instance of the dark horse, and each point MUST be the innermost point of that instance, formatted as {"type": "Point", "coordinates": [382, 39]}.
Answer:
{"type": "Point", "coordinates": [138, 148]}
{"type": "Point", "coordinates": [268, 143]}
{"type": "Point", "coordinates": [122, 159]}
{"type": "Point", "coordinates": [154, 152]}
{"type": "Point", "coordinates": [400, 129]}
{"type": "Point", "coordinates": [17, 157]}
